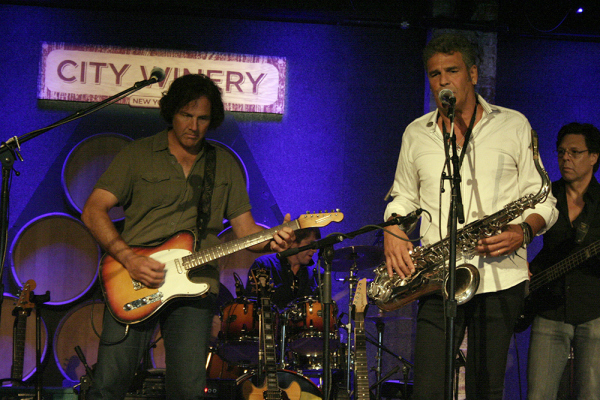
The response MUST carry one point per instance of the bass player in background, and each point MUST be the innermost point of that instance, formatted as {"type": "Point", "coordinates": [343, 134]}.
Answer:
{"type": "Point", "coordinates": [497, 168]}
{"type": "Point", "coordinates": [571, 313]}
{"type": "Point", "coordinates": [172, 181]}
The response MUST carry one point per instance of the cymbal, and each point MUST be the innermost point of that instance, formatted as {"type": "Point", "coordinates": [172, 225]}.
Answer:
{"type": "Point", "coordinates": [364, 256]}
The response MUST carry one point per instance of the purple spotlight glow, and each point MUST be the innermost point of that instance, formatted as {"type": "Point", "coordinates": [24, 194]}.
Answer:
{"type": "Point", "coordinates": [579, 10]}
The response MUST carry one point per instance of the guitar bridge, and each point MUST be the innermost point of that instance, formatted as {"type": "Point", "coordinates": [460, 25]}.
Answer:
{"type": "Point", "coordinates": [143, 301]}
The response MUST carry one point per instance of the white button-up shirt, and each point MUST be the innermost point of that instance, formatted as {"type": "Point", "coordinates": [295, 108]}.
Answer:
{"type": "Point", "coordinates": [498, 169]}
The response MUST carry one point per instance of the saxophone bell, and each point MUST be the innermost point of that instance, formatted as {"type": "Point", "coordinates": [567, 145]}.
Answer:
{"type": "Point", "coordinates": [467, 282]}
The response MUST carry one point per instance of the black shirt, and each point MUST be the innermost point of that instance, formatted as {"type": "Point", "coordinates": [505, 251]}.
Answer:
{"type": "Point", "coordinates": [287, 287]}
{"type": "Point", "coordinates": [575, 296]}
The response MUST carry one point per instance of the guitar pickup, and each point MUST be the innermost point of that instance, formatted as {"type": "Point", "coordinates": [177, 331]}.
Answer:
{"type": "Point", "coordinates": [143, 301]}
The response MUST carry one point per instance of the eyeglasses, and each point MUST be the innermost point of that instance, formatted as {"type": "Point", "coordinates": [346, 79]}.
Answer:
{"type": "Point", "coordinates": [572, 153]}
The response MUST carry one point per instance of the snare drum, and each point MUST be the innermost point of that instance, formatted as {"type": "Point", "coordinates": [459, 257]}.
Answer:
{"type": "Point", "coordinates": [238, 338]}
{"type": "Point", "coordinates": [305, 326]}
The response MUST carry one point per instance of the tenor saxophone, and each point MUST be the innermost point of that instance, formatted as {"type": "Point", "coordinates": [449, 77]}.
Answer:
{"type": "Point", "coordinates": [431, 270]}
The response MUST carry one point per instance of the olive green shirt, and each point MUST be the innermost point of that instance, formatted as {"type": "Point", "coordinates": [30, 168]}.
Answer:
{"type": "Point", "coordinates": [160, 201]}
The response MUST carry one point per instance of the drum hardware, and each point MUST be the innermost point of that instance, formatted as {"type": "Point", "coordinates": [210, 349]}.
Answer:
{"type": "Point", "coordinates": [406, 366]}
{"type": "Point", "coordinates": [360, 257]}
{"type": "Point", "coordinates": [305, 326]}
{"type": "Point", "coordinates": [326, 257]}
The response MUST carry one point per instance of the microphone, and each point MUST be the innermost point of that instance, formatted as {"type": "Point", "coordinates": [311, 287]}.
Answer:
{"type": "Point", "coordinates": [409, 222]}
{"type": "Point", "coordinates": [239, 286]}
{"type": "Point", "coordinates": [446, 97]}
{"type": "Point", "coordinates": [81, 357]}
{"type": "Point", "coordinates": [159, 75]}
{"type": "Point", "coordinates": [156, 75]}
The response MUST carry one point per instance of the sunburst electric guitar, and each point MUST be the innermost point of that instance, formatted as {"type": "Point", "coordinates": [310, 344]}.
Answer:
{"type": "Point", "coordinates": [130, 301]}
{"type": "Point", "coordinates": [361, 369]}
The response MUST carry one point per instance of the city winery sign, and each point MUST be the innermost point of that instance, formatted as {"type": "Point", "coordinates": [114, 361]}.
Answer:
{"type": "Point", "coordinates": [249, 83]}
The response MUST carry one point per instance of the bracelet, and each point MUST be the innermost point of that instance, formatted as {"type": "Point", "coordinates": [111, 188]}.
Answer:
{"type": "Point", "coordinates": [527, 234]}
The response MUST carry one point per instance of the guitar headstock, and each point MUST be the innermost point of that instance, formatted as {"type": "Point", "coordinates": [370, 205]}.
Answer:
{"type": "Point", "coordinates": [24, 301]}
{"type": "Point", "coordinates": [261, 281]}
{"type": "Point", "coordinates": [320, 219]}
{"type": "Point", "coordinates": [360, 297]}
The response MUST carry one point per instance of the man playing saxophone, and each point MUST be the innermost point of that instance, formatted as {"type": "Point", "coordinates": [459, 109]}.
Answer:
{"type": "Point", "coordinates": [496, 168]}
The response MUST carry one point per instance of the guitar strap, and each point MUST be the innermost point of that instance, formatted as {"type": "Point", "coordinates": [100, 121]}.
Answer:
{"type": "Point", "coordinates": [208, 184]}
{"type": "Point", "coordinates": [584, 226]}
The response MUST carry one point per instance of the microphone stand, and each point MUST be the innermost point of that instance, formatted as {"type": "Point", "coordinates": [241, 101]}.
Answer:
{"type": "Point", "coordinates": [456, 214]}
{"type": "Point", "coordinates": [10, 149]}
{"type": "Point", "coordinates": [406, 366]}
{"type": "Point", "coordinates": [325, 247]}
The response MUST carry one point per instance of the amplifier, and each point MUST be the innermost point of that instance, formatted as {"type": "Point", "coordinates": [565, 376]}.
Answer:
{"type": "Point", "coordinates": [221, 389]}
{"type": "Point", "coordinates": [154, 389]}
{"type": "Point", "coordinates": [395, 390]}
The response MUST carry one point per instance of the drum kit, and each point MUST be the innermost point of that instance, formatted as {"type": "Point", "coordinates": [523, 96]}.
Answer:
{"type": "Point", "coordinates": [299, 331]}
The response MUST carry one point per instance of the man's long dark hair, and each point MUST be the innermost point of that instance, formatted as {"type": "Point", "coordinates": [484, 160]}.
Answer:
{"type": "Point", "coordinates": [188, 88]}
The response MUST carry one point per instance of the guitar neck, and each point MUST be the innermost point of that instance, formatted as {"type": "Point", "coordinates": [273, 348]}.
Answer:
{"type": "Point", "coordinates": [212, 253]}
{"type": "Point", "coordinates": [360, 358]}
{"type": "Point", "coordinates": [562, 267]}
{"type": "Point", "coordinates": [268, 322]}
{"type": "Point", "coordinates": [19, 328]}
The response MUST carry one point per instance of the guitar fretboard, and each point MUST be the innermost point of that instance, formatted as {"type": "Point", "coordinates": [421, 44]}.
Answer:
{"type": "Point", "coordinates": [18, 345]}
{"type": "Point", "coordinates": [273, 392]}
{"type": "Point", "coordinates": [212, 253]}
{"type": "Point", "coordinates": [360, 358]}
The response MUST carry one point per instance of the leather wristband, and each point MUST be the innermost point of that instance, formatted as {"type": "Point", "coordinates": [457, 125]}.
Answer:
{"type": "Point", "coordinates": [527, 234]}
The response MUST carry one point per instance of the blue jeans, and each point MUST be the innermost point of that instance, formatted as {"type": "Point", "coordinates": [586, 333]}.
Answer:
{"type": "Point", "coordinates": [490, 319]}
{"type": "Point", "coordinates": [549, 349]}
{"type": "Point", "coordinates": [185, 328]}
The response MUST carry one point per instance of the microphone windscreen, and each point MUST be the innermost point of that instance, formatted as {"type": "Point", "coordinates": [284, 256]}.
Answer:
{"type": "Point", "coordinates": [158, 74]}
{"type": "Point", "coordinates": [445, 96]}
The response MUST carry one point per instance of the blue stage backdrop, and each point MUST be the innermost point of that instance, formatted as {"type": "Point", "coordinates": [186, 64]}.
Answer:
{"type": "Point", "coordinates": [351, 91]}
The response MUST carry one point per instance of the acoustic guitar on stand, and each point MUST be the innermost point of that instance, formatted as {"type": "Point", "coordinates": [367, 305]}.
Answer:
{"type": "Point", "coordinates": [130, 301]}
{"type": "Point", "coordinates": [270, 389]}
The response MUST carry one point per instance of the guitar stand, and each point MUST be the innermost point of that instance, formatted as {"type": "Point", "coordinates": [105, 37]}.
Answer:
{"type": "Point", "coordinates": [38, 301]}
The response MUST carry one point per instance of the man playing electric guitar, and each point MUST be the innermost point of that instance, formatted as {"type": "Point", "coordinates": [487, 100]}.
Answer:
{"type": "Point", "coordinates": [571, 313]}
{"type": "Point", "coordinates": [166, 183]}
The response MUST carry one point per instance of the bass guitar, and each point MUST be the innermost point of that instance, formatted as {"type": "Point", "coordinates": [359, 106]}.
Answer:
{"type": "Point", "coordinates": [361, 369]}
{"type": "Point", "coordinates": [131, 302]}
{"type": "Point", "coordinates": [21, 312]}
{"type": "Point", "coordinates": [533, 302]}
{"type": "Point", "coordinates": [270, 389]}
